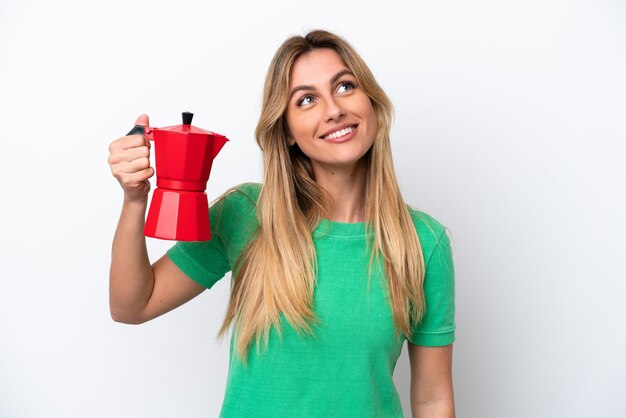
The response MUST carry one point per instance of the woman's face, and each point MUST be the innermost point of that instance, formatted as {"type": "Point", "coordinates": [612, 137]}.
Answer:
{"type": "Point", "coordinates": [329, 116]}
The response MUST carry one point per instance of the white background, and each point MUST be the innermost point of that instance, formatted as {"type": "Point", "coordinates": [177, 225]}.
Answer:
{"type": "Point", "coordinates": [510, 129]}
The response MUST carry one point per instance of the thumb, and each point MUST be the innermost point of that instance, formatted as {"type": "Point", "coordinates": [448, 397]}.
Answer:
{"type": "Point", "coordinates": [143, 120]}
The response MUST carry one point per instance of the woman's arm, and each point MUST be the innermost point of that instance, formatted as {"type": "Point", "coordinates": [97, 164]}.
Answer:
{"type": "Point", "coordinates": [139, 291]}
{"type": "Point", "coordinates": [432, 394]}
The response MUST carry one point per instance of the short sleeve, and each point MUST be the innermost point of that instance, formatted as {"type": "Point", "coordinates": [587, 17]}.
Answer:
{"type": "Point", "coordinates": [205, 262]}
{"type": "Point", "coordinates": [437, 327]}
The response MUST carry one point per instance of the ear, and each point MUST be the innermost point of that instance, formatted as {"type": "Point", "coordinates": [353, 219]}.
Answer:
{"type": "Point", "coordinates": [290, 139]}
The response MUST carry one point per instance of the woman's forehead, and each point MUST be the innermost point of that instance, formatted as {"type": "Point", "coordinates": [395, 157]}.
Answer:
{"type": "Point", "coordinates": [316, 67]}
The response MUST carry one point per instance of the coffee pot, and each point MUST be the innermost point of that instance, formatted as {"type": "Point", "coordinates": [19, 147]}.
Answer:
{"type": "Point", "coordinates": [184, 154]}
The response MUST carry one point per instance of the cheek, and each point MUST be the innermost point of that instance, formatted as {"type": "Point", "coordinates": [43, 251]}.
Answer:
{"type": "Point", "coordinates": [301, 127]}
{"type": "Point", "coordinates": [371, 117]}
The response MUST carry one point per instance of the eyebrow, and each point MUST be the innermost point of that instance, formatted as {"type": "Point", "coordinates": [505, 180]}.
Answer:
{"type": "Point", "coordinates": [332, 81]}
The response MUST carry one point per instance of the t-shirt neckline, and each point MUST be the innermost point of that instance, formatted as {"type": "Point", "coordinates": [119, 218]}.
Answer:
{"type": "Point", "coordinates": [340, 229]}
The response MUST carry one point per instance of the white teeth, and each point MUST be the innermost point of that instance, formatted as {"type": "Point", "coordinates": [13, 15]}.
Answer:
{"type": "Point", "coordinates": [339, 133]}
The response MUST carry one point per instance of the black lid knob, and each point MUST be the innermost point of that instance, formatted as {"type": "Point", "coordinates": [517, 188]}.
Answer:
{"type": "Point", "coordinates": [187, 117]}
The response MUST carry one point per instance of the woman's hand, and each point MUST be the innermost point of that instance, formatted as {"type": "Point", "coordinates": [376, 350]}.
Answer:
{"type": "Point", "coordinates": [129, 160]}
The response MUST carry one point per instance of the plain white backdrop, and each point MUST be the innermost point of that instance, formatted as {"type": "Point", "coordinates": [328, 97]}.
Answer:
{"type": "Point", "coordinates": [510, 129]}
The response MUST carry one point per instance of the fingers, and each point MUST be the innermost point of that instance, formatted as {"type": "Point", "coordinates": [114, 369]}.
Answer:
{"type": "Point", "coordinates": [134, 166]}
{"type": "Point", "coordinates": [129, 154]}
{"type": "Point", "coordinates": [129, 162]}
{"type": "Point", "coordinates": [142, 175]}
{"type": "Point", "coordinates": [129, 159]}
{"type": "Point", "coordinates": [134, 180]}
{"type": "Point", "coordinates": [127, 142]}
{"type": "Point", "coordinates": [143, 120]}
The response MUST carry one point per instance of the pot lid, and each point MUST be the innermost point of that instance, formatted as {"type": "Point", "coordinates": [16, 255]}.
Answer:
{"type": "Point", "coordinates": [186, 127]}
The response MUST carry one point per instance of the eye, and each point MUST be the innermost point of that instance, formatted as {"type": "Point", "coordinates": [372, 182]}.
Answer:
{"type": "Point", "coordinates": [306, 100]}
{"type": "Point", "coordinates": [346, 86]}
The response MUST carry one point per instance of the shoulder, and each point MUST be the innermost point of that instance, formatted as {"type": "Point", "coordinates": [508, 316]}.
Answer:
{"type": "Point", "coordinates": [426, 225]}
{"type": "Point", "coordinates": [235, 207]}
{"type": "Point", "coordinates": [430, 231]}
{"type": "Point", "coordinates": [248, 190]}
{"type": "Point", "coordinates": [233, 215]}
{"type": "Point", "coordinates": [241, 197]}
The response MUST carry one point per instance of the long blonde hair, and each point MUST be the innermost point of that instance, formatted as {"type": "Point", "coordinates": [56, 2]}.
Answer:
{"type": "Point", "coordinates": [276, 271]}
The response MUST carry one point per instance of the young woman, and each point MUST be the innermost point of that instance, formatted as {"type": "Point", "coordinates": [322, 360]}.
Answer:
{"type": "Point", "coordinates": [331, 270]}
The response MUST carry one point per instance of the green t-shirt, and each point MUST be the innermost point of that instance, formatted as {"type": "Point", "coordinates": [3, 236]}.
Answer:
{"type": "Point", "coordinates": [346, 368]}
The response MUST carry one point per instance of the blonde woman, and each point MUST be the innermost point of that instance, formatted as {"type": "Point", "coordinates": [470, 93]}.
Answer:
{"type": "Point", "coordinates": [331, 270]}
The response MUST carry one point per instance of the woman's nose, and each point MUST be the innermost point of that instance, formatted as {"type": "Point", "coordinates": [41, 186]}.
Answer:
{"type": "Point", "coordinates": [334, 110]}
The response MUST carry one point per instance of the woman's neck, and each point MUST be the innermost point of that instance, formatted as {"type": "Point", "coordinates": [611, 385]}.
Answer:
{"type": "Point", "coordinates": [346, 185]}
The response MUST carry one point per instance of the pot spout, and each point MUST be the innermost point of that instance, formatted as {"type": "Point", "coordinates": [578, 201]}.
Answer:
{"type": "Point", "coordinates": [217, 142]}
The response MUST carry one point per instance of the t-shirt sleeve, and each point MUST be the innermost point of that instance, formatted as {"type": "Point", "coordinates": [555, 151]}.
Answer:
{"type": "Point", "coordinates": [206, 262]}
{"type": "Point", "coordinates": [437, 326]}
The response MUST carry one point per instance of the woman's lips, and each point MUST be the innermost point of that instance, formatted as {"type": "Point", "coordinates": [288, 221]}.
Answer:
{"type": "Point", "coordinates": [341, 135]}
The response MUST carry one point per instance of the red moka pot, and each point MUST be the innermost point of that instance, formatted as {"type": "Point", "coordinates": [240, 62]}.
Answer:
{"type": "Point", "coordinates": [184, 155]}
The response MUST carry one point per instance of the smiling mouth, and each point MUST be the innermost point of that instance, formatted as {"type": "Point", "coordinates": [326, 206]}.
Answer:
{"type": "Point", "coordinates": [340, 133]}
